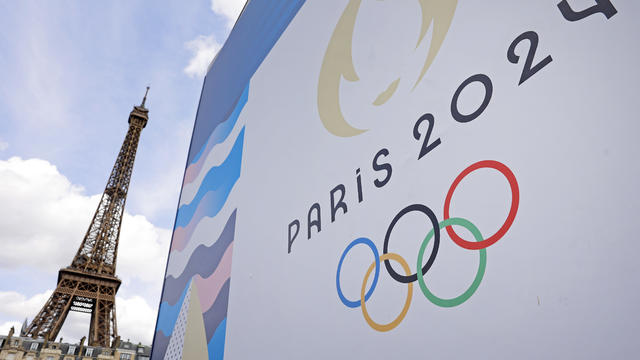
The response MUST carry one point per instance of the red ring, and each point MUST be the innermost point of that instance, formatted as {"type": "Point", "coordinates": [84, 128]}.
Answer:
{"type": "Point", "coordinates": [515, 200]}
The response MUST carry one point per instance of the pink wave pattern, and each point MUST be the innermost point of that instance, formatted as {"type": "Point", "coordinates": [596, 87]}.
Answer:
{"type": "Point", "coordinates": [194, 169]}
{"type": "Point", "coordinates": [209, 288]}
{"type": "Point", "coordinates": [182, 235]}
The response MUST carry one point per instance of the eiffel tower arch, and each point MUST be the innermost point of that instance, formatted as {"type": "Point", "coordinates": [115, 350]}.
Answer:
{"type": "Point", "coordinates": [90, 284]}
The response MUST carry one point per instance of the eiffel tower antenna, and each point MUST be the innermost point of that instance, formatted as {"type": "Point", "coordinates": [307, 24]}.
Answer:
{"type": "Point", "coordinates": [90, 283]}
{"type": "Point", "coordinates": [144, 100]}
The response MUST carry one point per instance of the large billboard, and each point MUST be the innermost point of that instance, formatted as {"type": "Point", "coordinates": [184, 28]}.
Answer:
{"type": "Point", "coordinates": [430, 178]}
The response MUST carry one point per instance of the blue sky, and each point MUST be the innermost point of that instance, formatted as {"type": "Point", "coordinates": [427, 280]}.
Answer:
{"type": "Point", "coordinates": [71, 72]}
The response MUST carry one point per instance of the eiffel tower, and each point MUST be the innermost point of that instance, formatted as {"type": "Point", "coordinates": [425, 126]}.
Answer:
{"type": "Point", "coordinates": [90, 283]}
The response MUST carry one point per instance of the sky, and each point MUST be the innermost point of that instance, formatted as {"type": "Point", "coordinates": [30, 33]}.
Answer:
{"type": "Point", "coordinates": [71, 72]}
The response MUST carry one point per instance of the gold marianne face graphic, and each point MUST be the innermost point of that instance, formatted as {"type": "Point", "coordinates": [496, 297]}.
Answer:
{"type": "Point", "coordinates": [338, 61]}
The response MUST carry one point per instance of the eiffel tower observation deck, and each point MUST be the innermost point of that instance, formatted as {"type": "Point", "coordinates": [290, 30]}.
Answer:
{"type": "Point", "coordinates": [90, 283]}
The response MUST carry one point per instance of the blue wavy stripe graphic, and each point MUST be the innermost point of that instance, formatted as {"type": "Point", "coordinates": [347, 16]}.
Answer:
{"type": "Point", "coordinates": [218, 311]}
{"type": "Point", "coordinates": [168, 314]}
{"type": "Point", "coordinates": [217, 185]}
{"type": "Point", "coordinates": [256, 31]}
{"type": "Point", "coordinates": [223, 130]}
{"type": "Point", "coordinates": [216, 345]}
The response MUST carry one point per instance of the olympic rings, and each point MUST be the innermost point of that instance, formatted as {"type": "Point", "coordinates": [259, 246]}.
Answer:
{"type": "Point", "coordinates": [385, 248]}
{"type": "Point", "coordinates": [405, 308]}
{"type": "Point", "coordinates": [515, 200]}
{"type": "Point", "coordinates": [369, 243]}
{"type": "Point", "coordinates": [476, 282]}
{"type": "Point", "coordinates": [480, 244]}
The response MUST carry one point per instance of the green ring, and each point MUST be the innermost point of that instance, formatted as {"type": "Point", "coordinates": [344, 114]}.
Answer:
{"type": "Point", "coordinates": [476, 282]}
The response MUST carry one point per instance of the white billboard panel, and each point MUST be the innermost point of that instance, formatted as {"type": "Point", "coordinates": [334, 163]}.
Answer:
{"type": "Point", "coordinates": [390, 179]}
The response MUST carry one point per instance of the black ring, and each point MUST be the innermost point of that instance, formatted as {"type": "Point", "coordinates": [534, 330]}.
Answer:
{"type": "Point", "coordinates": [436, 243]}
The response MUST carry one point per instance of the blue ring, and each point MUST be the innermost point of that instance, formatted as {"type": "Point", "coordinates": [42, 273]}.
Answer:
{"type": "Point", "coordinates": [369, 243]}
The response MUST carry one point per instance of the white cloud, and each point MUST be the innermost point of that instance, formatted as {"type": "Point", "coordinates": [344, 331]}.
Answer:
{"type": "Point", "coordinates": [136, 319]}
{"type": "Point", "coordinates": [6, 326]}
{"type": "Point", "coordinates": [42, 215]}
{"type": "Point", "coordinates": [43, 220]}
{"type": "Point", "coordinates": [143, 251]}
{"type": "Point", "coordinates": [204, 48]}
{"type": "Point", "coordinates": [228, 8]}
{"type": "Point", "coordinates": [18, 306]}
{"type": "Point", "coordinates": [3, 145]}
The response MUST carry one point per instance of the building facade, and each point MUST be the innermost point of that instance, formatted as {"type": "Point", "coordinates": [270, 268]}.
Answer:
{"type": "Point", "coordinates": [27, 348]}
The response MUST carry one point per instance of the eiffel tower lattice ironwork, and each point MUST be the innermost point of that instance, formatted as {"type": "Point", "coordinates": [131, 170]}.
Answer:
{"type": "Point", "coordinates": [90, 284]}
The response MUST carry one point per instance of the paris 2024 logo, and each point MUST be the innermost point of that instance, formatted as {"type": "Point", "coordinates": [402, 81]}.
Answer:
{"type": "Point", "coordinates": [338, 64]}
{"type": "Point", "coordinates": [338, 61]}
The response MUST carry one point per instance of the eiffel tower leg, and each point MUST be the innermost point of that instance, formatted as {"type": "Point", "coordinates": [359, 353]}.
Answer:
{"type": "Point", "coordinates": [103, 324]}
{"type": "Point", "coordinates": [49, 320]}
{"type": "Point", "coordinates": [114, 324]}
{"type": "Point", "coordinates": [93, 327]}
{"type": "Point", "coordinates": [57, 323]}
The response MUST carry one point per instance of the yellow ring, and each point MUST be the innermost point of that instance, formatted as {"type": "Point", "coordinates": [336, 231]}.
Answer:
{"type": "Point", "coordinates": [386, 327]}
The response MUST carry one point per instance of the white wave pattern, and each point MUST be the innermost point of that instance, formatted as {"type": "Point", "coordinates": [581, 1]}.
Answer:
{"type": "Point", "coordinates": [215, 157]}
{"type": "Point", "coordinates": [206, 233]}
